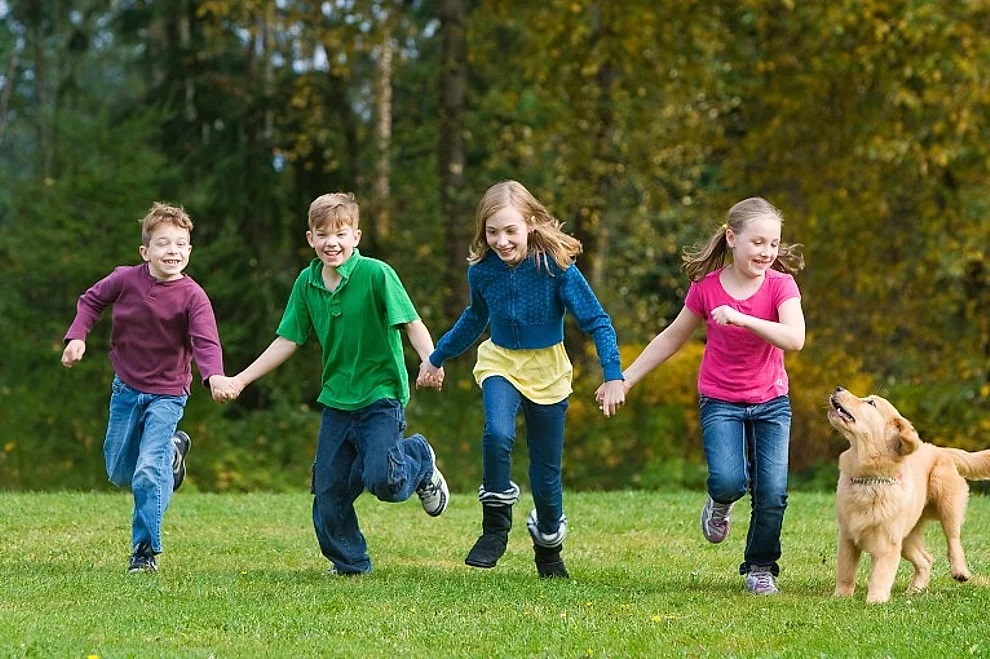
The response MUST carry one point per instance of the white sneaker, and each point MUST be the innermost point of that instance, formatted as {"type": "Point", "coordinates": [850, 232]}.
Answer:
{"type": "Point", "coordinates": [760, 581]}
{"type": "Point", "coordinates": [434, 493]}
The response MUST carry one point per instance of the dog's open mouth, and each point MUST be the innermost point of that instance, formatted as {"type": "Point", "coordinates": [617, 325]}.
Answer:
{"type": "Point", "coordinates": [839, 410]}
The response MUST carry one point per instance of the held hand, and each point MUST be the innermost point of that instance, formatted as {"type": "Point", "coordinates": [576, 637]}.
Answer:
{"type": "Point", "coordinates": [429, 376]}
{"type": "Point", "coordinates": [611, 396]}
{"type": "Point", "coordinates": [726, 315]}
{"type": "Point", "coordinates": [74, 351]}
{"type": "Point", "coordinates": [600, 392]}
{"type": "Point", "coordinates": [225, 389]}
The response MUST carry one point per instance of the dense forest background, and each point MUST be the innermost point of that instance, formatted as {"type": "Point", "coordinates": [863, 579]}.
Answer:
{"type": "Point", "coordinates": [638, 123]}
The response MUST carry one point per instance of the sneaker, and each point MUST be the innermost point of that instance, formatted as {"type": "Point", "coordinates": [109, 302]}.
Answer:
{"type": "Point", "coordinates": [715, 519]}
{"type": "Point", "coordinates": [142, 559]}
{"type": "Point", "coordinates": [434, 493]}
{"type": "Point", "coordinates": [760, 581]}
{"type": "Point", "coordinates": [182, 442]}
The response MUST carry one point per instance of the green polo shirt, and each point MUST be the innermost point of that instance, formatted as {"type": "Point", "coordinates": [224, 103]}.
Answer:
{"type": "Point", "coordinates": [358, 327]}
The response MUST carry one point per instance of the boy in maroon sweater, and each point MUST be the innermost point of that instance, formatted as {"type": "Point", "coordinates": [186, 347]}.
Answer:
{"type": "Point", "coordinates": [162, 320]}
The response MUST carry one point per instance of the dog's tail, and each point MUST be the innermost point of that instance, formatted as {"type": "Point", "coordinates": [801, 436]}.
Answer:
{"type": "Point", "coordinates": [971, 466]}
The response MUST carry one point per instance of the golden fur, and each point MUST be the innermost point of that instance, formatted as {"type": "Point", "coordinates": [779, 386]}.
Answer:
{"type": "Point", "coordinates": [890, 484]}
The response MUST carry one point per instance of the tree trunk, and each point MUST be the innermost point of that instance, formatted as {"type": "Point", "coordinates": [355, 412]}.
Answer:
{"type": "Point", "coordinates": [383, 138]}
{"type": "Point", "coordinates": [5, 97]}
{"type": "Point", "coordinates": [451, 160]}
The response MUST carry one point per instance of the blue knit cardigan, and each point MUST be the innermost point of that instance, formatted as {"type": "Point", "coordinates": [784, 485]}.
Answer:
{"type": "Point", "coordinates": [524, 305]}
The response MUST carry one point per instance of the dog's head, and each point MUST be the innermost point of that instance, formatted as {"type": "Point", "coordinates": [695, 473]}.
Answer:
{"type": "Point", "coordinates": [872, 425]}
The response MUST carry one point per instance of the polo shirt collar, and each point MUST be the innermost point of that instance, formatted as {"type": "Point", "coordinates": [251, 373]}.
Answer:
{"type": "Point", "coordinates": [344, 270]}
{"type": "Point", "coordinates": [347, 267]}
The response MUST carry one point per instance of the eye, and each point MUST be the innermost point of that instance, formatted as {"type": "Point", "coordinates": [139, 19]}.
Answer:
{"type": "Point", "coordinates": [870, 401]}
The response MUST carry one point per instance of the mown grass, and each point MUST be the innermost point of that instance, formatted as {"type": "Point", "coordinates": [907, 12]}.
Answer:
{"type": "Point", "coordinates": [242, 577]}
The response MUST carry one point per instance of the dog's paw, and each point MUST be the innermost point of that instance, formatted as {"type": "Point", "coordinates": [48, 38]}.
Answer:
{"type": "Point", "coordinates": [962, 577]}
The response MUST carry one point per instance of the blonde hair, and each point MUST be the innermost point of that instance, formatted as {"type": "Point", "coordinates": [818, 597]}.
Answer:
{"type": "Point", "coordinates": [333, 211]}
{"type": "Point", "coordinates": [546, 238]}
{"type": "Point", "coordinates": [160, 214]}
{"type": "Point", "coordinates": [710, 256]}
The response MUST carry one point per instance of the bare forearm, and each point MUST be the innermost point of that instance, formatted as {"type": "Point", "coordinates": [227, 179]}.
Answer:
{"type": "Point", "coordinates": [783, 336]}
{"type": "Point", "coordinates": [657, 352]}
{"type": "Point", "coordinates": [274, 356]}
{"type": "Point", "coordinates": [662, 347]}
{"type": "Point", "coordinates": [420, 339]}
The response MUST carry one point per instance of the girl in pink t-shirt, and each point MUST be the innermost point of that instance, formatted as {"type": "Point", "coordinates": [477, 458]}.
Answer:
{"type": "Point", "coordinates": [752, 314]}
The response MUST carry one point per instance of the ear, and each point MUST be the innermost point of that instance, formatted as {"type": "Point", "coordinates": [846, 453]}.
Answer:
{"type": "Point", "coordinates": [143, 251]}
{"type": "Point", "coordinates": [908, 436]}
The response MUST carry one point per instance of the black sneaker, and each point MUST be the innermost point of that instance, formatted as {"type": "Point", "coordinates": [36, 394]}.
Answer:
{"type": "Point", "coordinates": [142, 559]}
{"type": "Point", "coordinates": [182, 442]}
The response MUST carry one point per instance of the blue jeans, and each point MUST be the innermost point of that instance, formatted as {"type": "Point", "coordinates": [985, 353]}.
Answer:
{"type": "Point", "coordinates": [746, 447]}
{"type": "Point", "coordinates": [138, 450]}
{"type": "Point", "coordinates": [360, 449]}
{"type": "Point", "coordinates": [544, 436]}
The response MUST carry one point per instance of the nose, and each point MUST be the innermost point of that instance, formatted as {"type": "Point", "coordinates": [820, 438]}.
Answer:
{"type": "Point", "coordinates": [839, 390]}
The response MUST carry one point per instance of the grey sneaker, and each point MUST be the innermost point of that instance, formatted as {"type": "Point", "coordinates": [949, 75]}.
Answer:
{"type": "Point", "coordinates": [181, 441]}
{"type": "Point", "coordinates": [715, 520]}
{"type": "Point", "coordinates": [434, 493]}
{"type": "Point", "coordinates": [760, 581]}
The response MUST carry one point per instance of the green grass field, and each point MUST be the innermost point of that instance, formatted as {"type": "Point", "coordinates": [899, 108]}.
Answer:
{"type": "Point", "coordinates": [242, 576]}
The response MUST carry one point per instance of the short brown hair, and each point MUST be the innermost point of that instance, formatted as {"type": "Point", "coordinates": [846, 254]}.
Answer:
{"type": "Point", "coordinates": [334, 210]}
{"type": "Point", "coordinates": [160, 214]}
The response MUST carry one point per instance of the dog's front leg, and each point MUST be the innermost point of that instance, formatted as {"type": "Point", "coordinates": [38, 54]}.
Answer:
{"type": "Point", "coordinates": [884, 560]}
{"type": "Point", "coordinates": [846, 561]}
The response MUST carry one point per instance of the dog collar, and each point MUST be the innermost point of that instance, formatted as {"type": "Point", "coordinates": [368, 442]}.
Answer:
{"type": "Point", "coordinates": [875, 480]}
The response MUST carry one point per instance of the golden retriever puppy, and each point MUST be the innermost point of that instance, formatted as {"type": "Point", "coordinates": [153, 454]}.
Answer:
{"type": "Point", "coordinates": [890, 484]}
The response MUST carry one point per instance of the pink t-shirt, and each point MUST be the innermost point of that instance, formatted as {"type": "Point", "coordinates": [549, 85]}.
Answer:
{"type": "Point", "coordinates": [738, 366]}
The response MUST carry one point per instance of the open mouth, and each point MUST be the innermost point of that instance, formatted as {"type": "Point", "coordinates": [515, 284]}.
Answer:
{"type": "Point", "coordinates": [840, 411]}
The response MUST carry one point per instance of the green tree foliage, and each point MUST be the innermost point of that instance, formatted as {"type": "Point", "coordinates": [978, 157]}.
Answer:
{"type": "Point", "coordinates": [638, 123]}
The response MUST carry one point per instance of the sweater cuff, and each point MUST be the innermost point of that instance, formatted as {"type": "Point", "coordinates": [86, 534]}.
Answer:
{"type": "Point", "coordinates": [436, 359]}
{"type": "Point", "coordinates": [612, 371]}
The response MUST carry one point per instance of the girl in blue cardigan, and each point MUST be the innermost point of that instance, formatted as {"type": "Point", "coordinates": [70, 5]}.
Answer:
{"type": "Point", "coordinates": [522, 279]}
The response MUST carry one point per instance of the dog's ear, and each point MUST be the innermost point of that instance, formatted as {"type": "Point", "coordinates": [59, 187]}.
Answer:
{"type": "Point", "coordinates": [907, 436]}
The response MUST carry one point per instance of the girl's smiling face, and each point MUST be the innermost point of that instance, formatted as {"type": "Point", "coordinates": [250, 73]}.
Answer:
{"type": "Point", "coordinates": [755, 248]}
{"type": "Point", "coordinates": [167, 252]}
{"type": "Point", "coordinates": [508, 235]}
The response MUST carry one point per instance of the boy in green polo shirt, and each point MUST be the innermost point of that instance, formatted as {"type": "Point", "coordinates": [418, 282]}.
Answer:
{"type": "Point", "coordinates": [355, 306]}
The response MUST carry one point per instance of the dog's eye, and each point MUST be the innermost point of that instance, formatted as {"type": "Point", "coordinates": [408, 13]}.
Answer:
{"type": "Point", "coordinates": [872, 402]}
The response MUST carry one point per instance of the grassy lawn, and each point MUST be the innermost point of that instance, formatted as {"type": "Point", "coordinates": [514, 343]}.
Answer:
{"type": "Point", "coordinates": [242, 577]}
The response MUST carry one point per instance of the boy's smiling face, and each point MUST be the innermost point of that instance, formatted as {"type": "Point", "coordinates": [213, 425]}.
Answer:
{"type": "Point", "coordinates": [334, 245]}
{"type": "Point", "coordinates": [167, 252]}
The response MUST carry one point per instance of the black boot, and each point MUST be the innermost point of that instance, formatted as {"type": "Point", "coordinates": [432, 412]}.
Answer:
{"type": "Point", "coordinates": [549, 564]}
{"type": "Point", "coordinates": [495, 525]}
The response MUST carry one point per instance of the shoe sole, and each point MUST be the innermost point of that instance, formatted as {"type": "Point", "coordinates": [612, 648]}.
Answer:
{"type": "Point", "coordinates": [182, 449]}
{"type": "Point", "coordinates": [444, 499]}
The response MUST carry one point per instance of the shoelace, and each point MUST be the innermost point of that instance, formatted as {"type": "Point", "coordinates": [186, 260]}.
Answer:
{"type": "Point", "coordinates": [762, 581]}
{"type": "Point", "coordinates": [429, 490]}
{"type": "Point", "coordinates": [721, 514]}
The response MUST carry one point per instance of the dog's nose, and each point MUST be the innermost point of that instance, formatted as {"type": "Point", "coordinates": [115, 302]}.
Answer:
{"type": "Point", "coordinates": [839, 389]}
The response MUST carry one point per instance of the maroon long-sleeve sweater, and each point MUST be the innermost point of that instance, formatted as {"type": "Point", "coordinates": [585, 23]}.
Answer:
{"type": "Point", "coordinates": [159, 327]}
